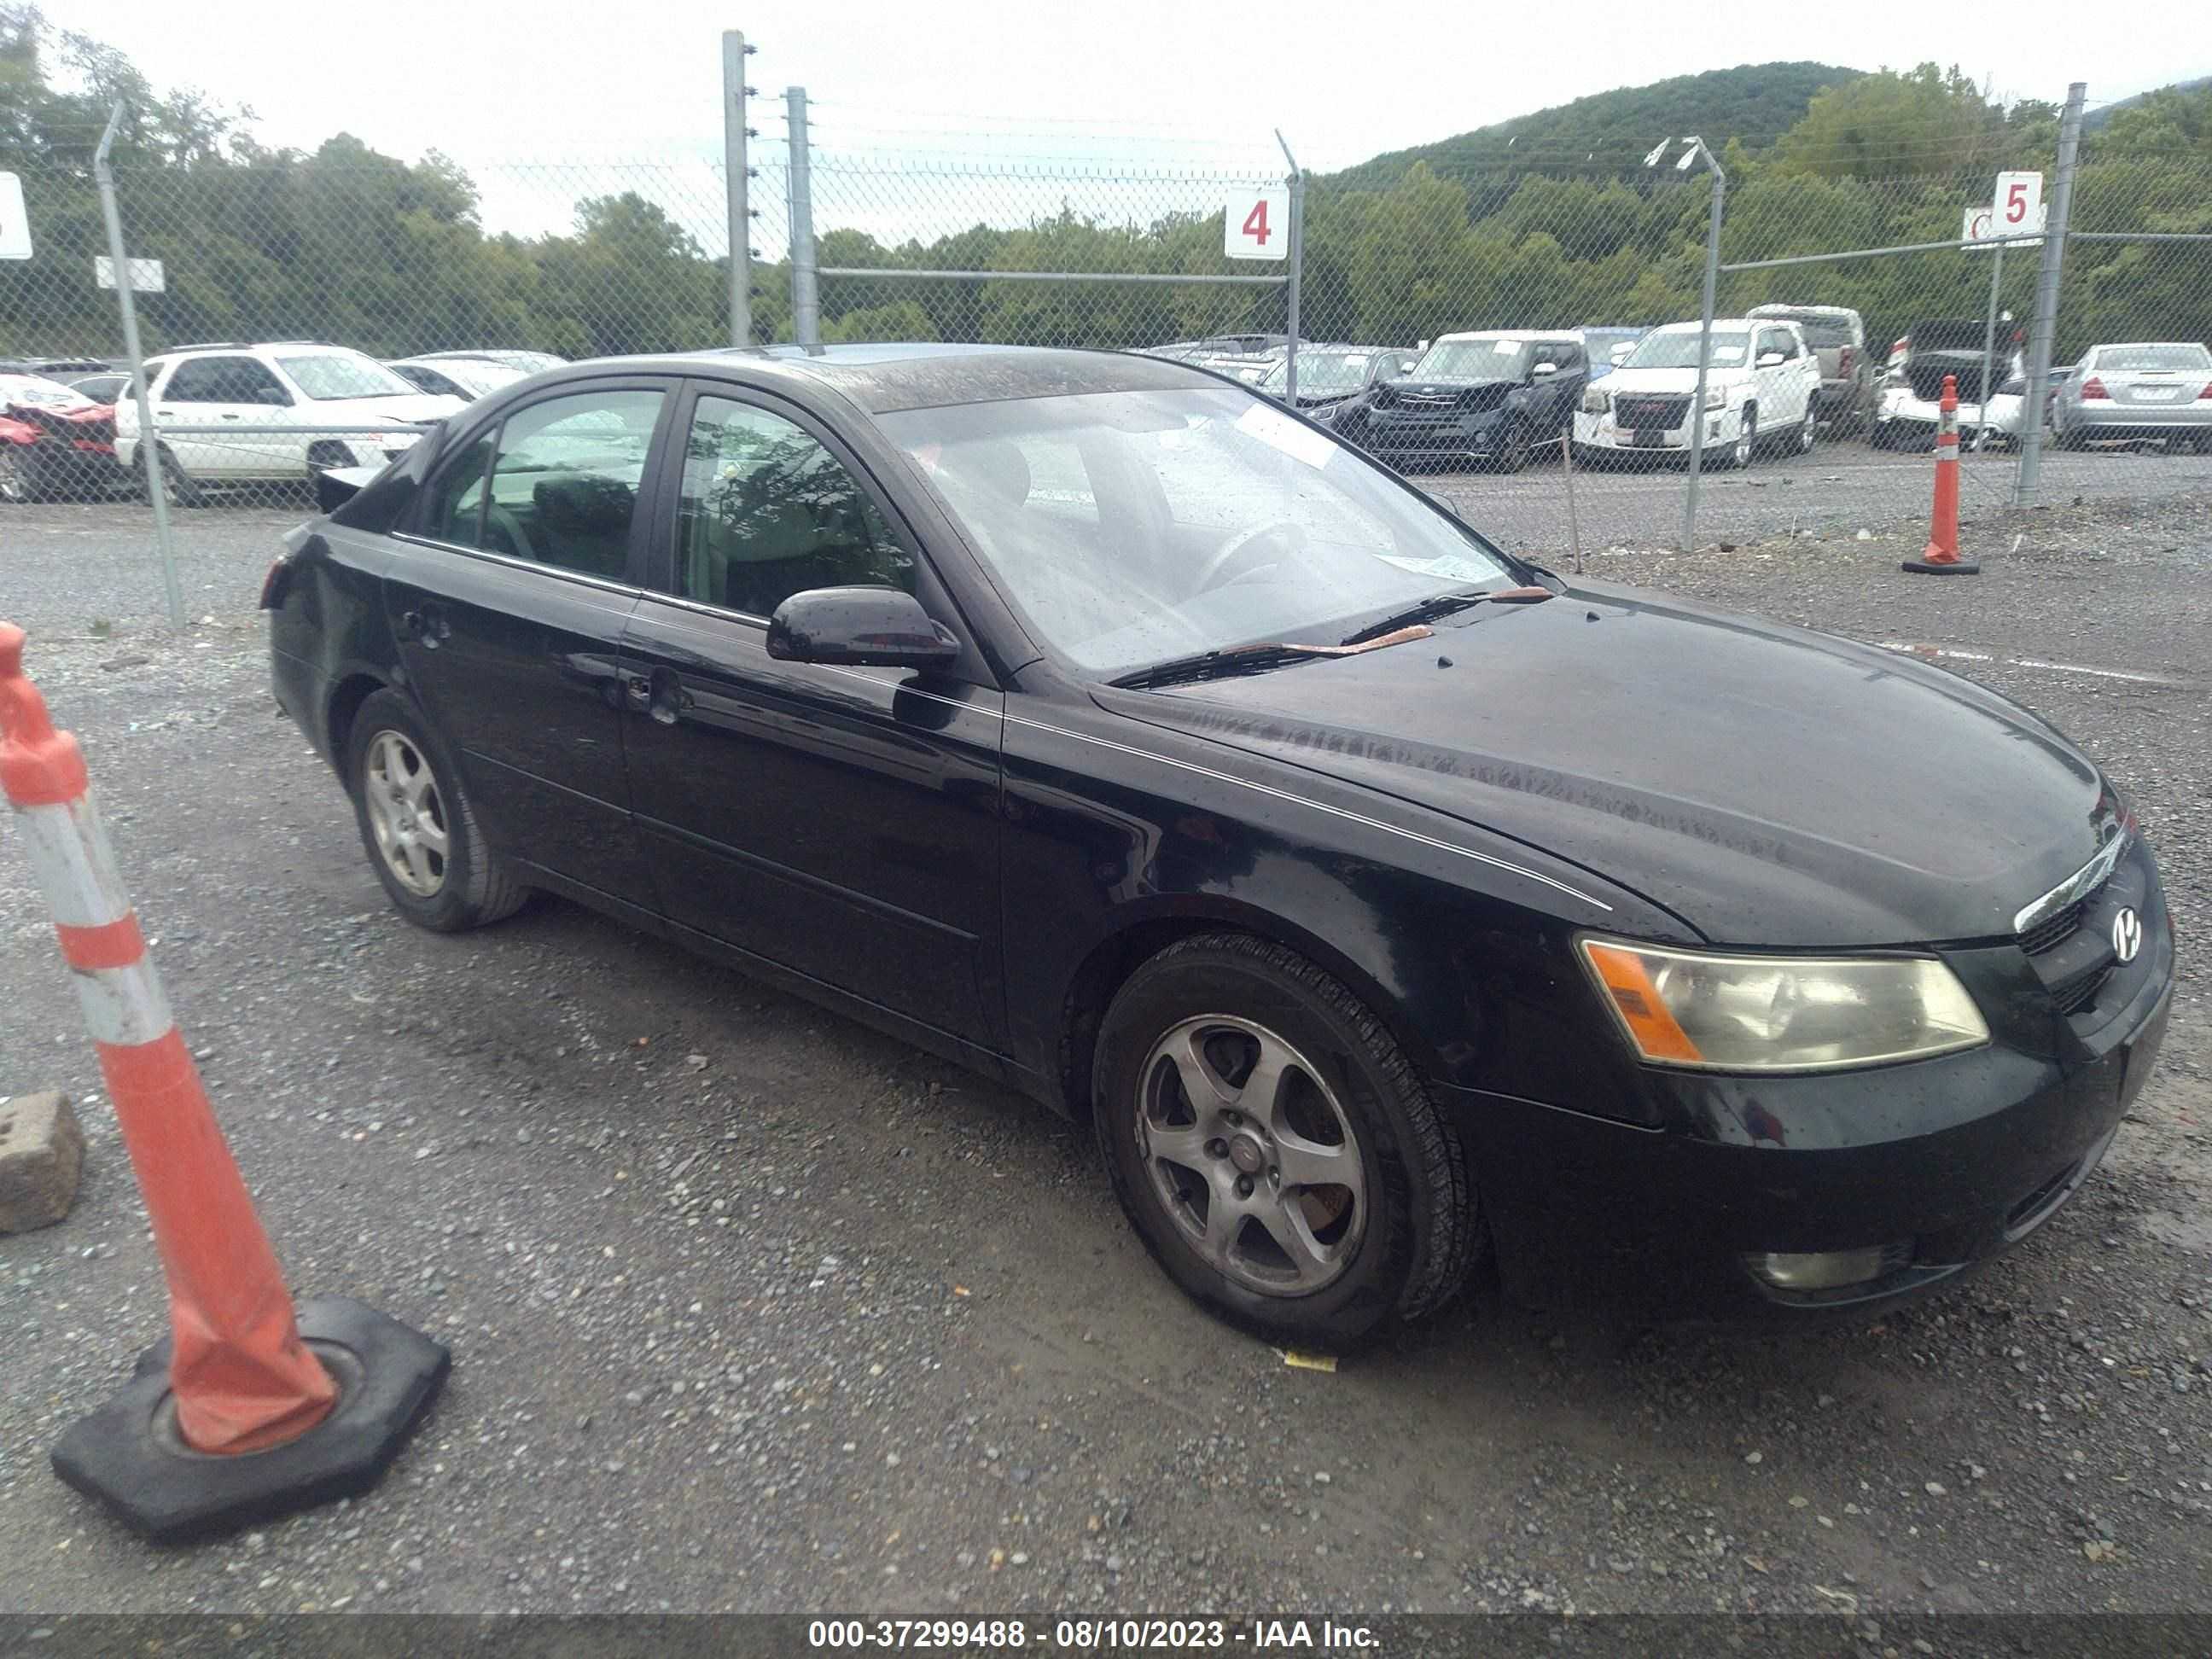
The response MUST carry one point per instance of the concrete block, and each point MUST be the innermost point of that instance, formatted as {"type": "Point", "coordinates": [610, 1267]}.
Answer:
{"type": "Point", "coordinates": [42, 1152]}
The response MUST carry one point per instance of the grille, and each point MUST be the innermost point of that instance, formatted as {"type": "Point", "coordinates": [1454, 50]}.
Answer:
{"type": "Point", "coordinates": [2054, 930]}
{"type": "Point", "coordinates": [1664, 413]}
{"type": "Point", "coordinates": [2074, 997]}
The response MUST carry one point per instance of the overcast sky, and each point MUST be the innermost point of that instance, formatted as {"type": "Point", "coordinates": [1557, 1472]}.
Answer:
{"type": "Point", "coordinates": [1194, 83]}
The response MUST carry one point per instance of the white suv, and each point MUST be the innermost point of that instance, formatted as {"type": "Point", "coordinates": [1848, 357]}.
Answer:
{"type": "Point", "coordinates": [301, 386]}
{"type": "Point", "coordinates": [1762, 390]}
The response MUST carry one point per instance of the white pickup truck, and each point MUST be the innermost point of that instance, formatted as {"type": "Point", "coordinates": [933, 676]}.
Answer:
{"type": "Point", "coordinates": [1762, 390]}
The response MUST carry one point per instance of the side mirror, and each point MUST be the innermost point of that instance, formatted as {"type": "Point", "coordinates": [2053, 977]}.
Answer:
{"type": "Point", "coordinates": [1541, 369]}
{"type": "Point", "coordinates": [1769, 359]}
{"type": "Point", "coordinates": [860, 628]}
{"type": "Point", "coordinates": [1619, 354]}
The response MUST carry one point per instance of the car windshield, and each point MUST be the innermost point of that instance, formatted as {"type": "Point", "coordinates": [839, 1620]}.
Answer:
{"type": "Point", "coordinates": [1135, 528]}
{"type": "Point", "coordinates": [324, 375]}
{"type": "Point", "coordinates": [478, 377]}
{"type": "Point", "coordinates": [1679, 350]}
{"type": "Point", "coordinates": [1477, 359]}
{"type": "Point", "coordinates": [1820, 329]}
{"type": "Point", "coordinates": [1322, 371]}
{"type": "Point", "coordinates": [2154, 356]}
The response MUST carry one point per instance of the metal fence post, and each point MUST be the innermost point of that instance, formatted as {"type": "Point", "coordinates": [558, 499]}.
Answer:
{"type": "Point", "coordinates": [805, 292]}
{"type": "Point", "coordinates": [1989, 347]}
{"type": "Point", "coordinates": [1704, 348]}
{"type": "Point", "coordinates": [150, 438]}
{"type": "Point", "coordinates": [2043, 329]}
{"type": "Point", "coordinates": [734, 134]}
{"type": "Point", "coordinates": [1296, 183]}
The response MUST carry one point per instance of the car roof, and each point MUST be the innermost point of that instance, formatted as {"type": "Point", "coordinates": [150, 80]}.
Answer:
{"type": "Point", "coordinates": [1784, 308]}
{"type": "Point", "coordinates": [882, 378]}
{"type": "Point", "coordinates": [1567, 335]}
{"type": "Point", "coordinates": [2130, 345]}
{"type": "Point", "coordinates": [1718, 323]}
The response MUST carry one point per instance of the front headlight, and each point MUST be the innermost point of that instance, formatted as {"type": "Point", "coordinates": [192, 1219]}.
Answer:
{"type": "Point", "coordinates": [1716, 398]}
{"type": "Point", "coordinates": [1594, 400]}
{"type": "Point", "coordinates": [1726, 1013]}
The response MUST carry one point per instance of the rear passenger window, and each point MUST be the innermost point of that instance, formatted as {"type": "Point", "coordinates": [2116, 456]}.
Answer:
{"type": "Point", "coordinates": [565, 480]}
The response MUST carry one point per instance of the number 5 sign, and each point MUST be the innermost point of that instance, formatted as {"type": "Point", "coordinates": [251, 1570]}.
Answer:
{"type": "Point", "coordinates": [1257, 225]}
{"type": "Point", "coordinates": [2018, 208]}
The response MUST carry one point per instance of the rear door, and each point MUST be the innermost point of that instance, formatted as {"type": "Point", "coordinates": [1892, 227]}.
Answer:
{"type": "Point", "coordinates": [842, 823]}
{"type": "Point", "coordinates": [508, 592]}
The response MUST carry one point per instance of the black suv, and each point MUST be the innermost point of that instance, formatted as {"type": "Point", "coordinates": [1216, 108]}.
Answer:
{"type": "Point", "coordinates": [1494, 397]}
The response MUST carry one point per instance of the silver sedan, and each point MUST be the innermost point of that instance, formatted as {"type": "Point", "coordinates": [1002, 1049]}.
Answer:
{"type": "Point", "coordinates": [2147, 390]}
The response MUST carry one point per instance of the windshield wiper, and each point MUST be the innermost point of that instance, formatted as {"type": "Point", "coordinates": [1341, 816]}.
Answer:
{"type": "Point", "coordinates": [1259, 658]}
{"type": "Point", "coordinates": [1443, 604]}
{"type": "Point", "coordinates": [1215, 664]}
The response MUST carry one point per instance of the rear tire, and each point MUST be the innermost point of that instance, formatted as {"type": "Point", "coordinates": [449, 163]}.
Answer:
{"type": "Point", "coordinates": [1346, 1156]}
{"type": "Point", "coordinates": [416, 825]}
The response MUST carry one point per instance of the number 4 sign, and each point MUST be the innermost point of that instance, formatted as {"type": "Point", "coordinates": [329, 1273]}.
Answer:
{"type": "Point", "coordinates": [1257, 225]}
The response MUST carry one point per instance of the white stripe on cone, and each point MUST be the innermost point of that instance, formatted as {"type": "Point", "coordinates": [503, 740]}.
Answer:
{"type": "Point", "coordinates": [69, 855]}
{"type": "Point", "coordinates": [123, 1007]}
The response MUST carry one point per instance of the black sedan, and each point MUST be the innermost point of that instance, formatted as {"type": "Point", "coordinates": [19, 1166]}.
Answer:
{"type": "Point", "coordinates": [1383, 900]}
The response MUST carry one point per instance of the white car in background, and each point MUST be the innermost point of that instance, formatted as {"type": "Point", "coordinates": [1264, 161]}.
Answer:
{"type": "Point", "coordinates": [1762, 390]}
{"type": "Point", "coordinates": [456, 373]}
{"type": "Point", "coordinates": [304, 387]}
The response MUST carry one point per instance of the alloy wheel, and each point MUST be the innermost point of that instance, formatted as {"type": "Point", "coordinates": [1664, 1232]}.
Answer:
{"type": "Point", "coordinates": [405, 812]}
{"type": "Point", "coordinates": [1746, 441]}
{"type": "Point", "coordinates": [1252, 1156]}
{"type": "Point", "coordinates": [15, 486]}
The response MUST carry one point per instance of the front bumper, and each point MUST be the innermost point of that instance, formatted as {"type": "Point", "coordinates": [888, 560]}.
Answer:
{"type": "Point", "coordinates": [1947, 1163]}
{"type": "Point", "coordinates": [1605, 432]}
{"type": "Point", "coordinates": [1391, 432]}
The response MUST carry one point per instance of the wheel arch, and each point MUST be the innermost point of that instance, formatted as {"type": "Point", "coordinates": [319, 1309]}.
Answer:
{"type": "Point", "coordinates": [348, 692]}
{"type": "Point", "coordinates": [1141, 931]}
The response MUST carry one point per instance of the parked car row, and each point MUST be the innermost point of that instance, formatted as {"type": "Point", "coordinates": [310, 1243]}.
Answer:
{"type": "Point", "coordinates": [298, 408]}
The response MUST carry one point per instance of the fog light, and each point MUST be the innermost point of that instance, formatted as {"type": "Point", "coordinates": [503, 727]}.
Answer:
{"type": "Point", "coordinates": [1826, 1270]}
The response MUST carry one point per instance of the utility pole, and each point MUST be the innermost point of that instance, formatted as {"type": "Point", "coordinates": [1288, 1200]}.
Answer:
{"type": "Point", "coordinates": [738, 175]}
{"type": "Point", "coordinates": [805, 293]}
{"type": "Point", "coordinates": [1704, 329]}
{"type": "Point", "coordinates": [2043, 329]}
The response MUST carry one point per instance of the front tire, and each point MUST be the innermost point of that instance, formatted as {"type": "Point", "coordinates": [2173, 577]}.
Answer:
{"type": "Point", "coordinates": [1273, 1148]}
{"type": "Point", "coordinates": [174, 483]}
{"type": "Point", "coordinates": [1810, 434]}
{"type": "Point", "coordinates": [1513, 455]}
{"type": "Point", "coordinates": [1744, 449]}
{"type": "Point", "coordinates": [416, 825]}
{"type": "Point", "coordinates": [16, 487]}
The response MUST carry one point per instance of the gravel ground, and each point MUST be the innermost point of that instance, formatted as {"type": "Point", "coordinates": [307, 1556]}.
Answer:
{"type": "Point", "coordinates": [752, 1309]}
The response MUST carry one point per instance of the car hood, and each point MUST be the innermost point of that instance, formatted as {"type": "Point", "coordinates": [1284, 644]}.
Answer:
{"type": "Point", "coordinates": [369, 411]}
{"type": "Point", "coordinates": [1768, 784]}
{"type": "Point", "coordinates": [1664, 379]}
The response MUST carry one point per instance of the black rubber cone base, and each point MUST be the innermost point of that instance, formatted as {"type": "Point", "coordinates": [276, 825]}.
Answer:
{"type": "Point", "coordinates": [1923, 568]}
{"type": "Point", "coordinates": [128, 1454]}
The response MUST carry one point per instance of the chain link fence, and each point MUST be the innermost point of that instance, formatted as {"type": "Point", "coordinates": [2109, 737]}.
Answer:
{"type": "Point", "coordinates": [1561, 266]}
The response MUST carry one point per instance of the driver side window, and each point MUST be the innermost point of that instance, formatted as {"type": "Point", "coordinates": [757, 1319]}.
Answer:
{"type": "Point", "coordinates": [767, 511]}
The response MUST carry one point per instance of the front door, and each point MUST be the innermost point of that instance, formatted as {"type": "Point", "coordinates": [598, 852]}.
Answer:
{"type": "Point", "coordinates": [215, 392]}
{"type": "Point", "coordinates": [509, 593]}
{"type": "Point", "coordinates": [841, 822]}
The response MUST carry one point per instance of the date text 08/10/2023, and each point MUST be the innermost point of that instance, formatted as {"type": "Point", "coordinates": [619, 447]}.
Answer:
{"type": "Point", "coordinates": [1092, 1635]}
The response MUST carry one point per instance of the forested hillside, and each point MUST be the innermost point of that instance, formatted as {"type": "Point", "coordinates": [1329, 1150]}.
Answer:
{"type": "Point", "coordinates": [348, 245]}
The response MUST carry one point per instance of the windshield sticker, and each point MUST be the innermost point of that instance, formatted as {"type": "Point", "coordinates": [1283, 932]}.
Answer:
{"type": "Point", "coordinates": [1279, 431]}
{"type": "Point", "coordinates": [1728, 354]}
{"type": "Point", "coordinates": [1506, 348]}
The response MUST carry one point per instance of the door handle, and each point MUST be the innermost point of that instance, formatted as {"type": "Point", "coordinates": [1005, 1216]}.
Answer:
{"type": "Point", "coordinates": [227, 416]}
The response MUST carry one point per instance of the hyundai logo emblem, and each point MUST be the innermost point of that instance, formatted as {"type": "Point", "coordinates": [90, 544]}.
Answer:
{"type": "Point", "coordinates": [2127, 934]}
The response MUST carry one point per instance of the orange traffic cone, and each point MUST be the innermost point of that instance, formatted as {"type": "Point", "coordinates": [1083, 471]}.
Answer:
{"type": "Point", "coordinates": [1942, 558]}
{"type": "Point", "coordinates": [323, 1399]}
